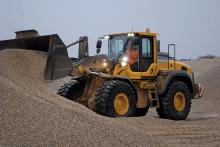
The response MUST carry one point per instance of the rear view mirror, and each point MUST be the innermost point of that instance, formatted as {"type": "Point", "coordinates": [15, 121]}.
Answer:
{"type": "Point", "coordinates": [98, 46]}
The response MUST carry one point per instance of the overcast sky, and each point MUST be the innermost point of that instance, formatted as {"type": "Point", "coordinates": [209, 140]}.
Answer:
{"type": "Point", "coordinates": [193, 25]}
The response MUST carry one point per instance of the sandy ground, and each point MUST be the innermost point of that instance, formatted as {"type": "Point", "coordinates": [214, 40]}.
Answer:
{"type": "Point", "coordinates": [31, 114]}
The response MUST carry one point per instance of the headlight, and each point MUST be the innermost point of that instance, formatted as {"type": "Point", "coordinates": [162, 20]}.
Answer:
{"type": "Point", "coordinates": [130, 34]}
{"type": "Point", "coordinates": [104, 64]}
{"type": "Point", "coordinates": [106, 37]}
{"type": "Point", "coordinates": [125, 59]}
{"type": "Point", "coordinates": [123, 63]}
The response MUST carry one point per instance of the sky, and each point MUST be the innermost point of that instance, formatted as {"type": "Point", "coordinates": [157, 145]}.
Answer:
{"type": "Point", "coordinates": [193, 25]}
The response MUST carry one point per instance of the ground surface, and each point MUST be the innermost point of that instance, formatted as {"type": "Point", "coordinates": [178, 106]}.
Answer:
{"type": "Point", "coordinates": [31, 114]}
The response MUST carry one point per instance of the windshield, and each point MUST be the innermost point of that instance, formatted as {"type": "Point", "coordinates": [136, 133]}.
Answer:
{"type": "Point", "coordinates": [118, 44]}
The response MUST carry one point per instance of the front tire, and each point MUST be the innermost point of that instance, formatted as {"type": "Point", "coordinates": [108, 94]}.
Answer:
{"type": "Point", "coordinates": [115, 98]}
{"type": "Point", "coordinates": [72, 90]}
{"type": "Point", "coordinates": [175, 103]}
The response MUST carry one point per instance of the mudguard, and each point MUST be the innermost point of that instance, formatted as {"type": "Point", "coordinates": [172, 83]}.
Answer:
{"type": "Point", "coordinates": [164, 78]}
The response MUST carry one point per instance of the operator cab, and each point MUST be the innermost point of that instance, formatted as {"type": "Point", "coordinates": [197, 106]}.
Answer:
{"type": "Point", "coordinates": [134, 49]}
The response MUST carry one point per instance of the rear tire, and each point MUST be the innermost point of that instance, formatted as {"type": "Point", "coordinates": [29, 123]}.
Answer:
{"type": "Point", "coordinates": [169, 109]}
{"type": "Point", "coordinates": [107, 96]}
{"type": "Point", "coordinates": [72, 90]}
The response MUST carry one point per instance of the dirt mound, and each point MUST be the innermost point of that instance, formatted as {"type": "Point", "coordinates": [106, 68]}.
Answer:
{"type": "Point", "coordinates": [201, 66]}
{"type": "Point", "coordinates": [32, 115]}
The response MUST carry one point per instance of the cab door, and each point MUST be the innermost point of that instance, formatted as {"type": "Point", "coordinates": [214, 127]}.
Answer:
{"type": "Point", "coordinates": [147, 57]}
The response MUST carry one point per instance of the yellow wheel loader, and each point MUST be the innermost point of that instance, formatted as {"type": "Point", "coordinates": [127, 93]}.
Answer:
{"type": "Point", "coordinates": [133, 77]}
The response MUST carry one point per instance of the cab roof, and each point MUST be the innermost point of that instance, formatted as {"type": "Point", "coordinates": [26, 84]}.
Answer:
{"type": "Point", "coordinates": [138, 33]}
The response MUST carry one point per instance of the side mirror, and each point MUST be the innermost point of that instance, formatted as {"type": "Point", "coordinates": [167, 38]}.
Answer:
{"type": "Point", "coordinates": [98, 46]}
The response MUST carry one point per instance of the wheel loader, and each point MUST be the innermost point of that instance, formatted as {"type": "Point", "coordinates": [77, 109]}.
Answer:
{"type": "Point", "coordinates": [133, 77]}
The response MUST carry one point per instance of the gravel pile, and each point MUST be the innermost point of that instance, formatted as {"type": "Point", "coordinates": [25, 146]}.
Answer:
{"type": "Point", "coordinates": [33, 115]}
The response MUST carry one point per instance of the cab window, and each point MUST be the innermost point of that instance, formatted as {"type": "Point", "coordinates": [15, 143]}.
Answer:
{"type": "Point", "coordinates": [147, 53]}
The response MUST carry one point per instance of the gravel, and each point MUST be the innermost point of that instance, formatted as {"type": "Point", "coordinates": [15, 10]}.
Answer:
{"type": "Point", "coordinates": [31, 114]}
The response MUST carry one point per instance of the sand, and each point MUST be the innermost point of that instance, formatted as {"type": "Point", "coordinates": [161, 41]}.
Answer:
{"type": "Point", "coordinates": [31, 114]}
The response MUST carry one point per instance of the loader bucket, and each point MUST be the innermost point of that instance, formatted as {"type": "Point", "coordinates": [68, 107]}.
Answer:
{"type": "Point", "coordinates": [58, 63]}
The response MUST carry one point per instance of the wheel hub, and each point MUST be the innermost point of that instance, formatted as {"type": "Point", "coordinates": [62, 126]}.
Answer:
{"type": "Point", "coordinates": [121, 104]}
{"type": "Point", "coordinates": [179, 101]}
